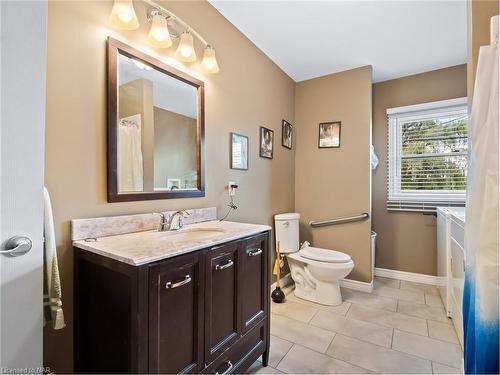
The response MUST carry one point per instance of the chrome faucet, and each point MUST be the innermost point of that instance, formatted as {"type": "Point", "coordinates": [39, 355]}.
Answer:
{"type": "Point", "coordinates": [163, 222]}
{"type": "Point", "coordinates": [168, 222]}
{"type": "Point", "coordinates": [171, 220]}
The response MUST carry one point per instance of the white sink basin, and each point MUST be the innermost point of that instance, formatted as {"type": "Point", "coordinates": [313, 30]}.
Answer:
{"type": "Point", "coordinates": [190, 234]}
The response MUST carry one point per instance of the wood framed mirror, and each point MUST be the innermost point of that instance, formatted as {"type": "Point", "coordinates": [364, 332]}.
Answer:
{"type": "Point", "coordinates": [156, 128]}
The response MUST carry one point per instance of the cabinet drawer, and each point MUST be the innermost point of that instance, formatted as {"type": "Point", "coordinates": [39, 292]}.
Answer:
{"type": "Point", "coordinates": [241, 355]}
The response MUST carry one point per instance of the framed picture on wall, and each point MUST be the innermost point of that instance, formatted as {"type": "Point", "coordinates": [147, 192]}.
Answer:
{"type": "Point", "coordinates": [239, 151]}
{"type": "Point", "coordinates": [329, 135]}
{"type": "Point", "coordinates": [266, 143]}
{"type": "Point", "coordinates": [286, 134]}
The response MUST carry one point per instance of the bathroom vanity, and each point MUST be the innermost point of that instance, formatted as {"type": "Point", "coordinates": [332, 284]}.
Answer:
{"type": "Point", "coordinates": [194, 300]}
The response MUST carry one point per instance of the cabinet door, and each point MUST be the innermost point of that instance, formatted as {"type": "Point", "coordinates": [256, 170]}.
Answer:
{"type": "Point", "coordinates": [221, 289]}
{"type": "Point", "coordinates": [176, 315]}
{"type": "Point", "coordinates": [253, 281]}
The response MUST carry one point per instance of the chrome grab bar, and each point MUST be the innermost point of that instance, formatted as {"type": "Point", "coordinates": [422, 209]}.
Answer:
{"type": "Point", "coordinates": [342, 220]}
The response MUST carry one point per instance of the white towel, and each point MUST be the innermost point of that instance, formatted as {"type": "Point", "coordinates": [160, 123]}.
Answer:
{"type": "Point", "coordinates": [52, 302]}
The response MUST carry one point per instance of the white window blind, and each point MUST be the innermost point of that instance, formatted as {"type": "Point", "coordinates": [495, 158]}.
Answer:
{"type": "Point", "coordinates": [427, 161]}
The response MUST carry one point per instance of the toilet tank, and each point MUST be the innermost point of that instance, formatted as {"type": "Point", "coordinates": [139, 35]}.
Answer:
{"type": "Point", "coordinates": [287, 232]}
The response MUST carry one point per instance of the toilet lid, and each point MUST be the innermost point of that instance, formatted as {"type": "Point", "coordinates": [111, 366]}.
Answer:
{"type": "Point", "coordinates": [324, 255]}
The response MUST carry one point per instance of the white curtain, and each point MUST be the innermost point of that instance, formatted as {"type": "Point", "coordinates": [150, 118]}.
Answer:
{"type": "Point", "coordinates": [481, 289]}
{"type": "Point", "coordinates": [130, 169]}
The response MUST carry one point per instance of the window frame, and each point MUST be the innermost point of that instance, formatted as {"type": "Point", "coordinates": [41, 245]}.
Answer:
{"type": "Point", "coordinates": [396, 118]}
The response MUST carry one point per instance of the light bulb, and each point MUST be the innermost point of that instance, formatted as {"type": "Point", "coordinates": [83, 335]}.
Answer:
{"type": "Point", "coordinates": [158, 34]}
{"type": "Point", "coordinates": [123, 15]}
{"type": "Point", "coordinates": [185, 51]}
{"type": "Point", "coordinates": [209, 62]}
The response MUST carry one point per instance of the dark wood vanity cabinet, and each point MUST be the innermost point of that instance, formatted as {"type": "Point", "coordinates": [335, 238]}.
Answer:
{"type": "Point", "coordinates": [205, 311]}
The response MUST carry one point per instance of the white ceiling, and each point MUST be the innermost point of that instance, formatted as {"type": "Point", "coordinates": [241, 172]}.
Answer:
{"type": "Point", "coordinates": [309, 39]}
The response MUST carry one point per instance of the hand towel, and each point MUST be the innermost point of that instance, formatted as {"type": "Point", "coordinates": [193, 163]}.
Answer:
{"type": "Point", "coordinates": [52, 298]}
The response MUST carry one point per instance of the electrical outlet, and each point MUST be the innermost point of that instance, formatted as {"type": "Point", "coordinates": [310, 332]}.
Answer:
{"type": "Point", "coordinates": [231, 187]}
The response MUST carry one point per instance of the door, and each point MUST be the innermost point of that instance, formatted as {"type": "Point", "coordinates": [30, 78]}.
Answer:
{"type": "Point", "coordinates": [253, 281]}
{"type": "Point", "coordinates": [23, 29]}
{"type": "Point", "coordinates": [221, 303]}
{"type": "Point", "coordinates": [176, 315]}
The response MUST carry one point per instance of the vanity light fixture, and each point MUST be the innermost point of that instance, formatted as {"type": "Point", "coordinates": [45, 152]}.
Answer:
{"type": "Point", "coordinates": [123, 15]}
{"type": "Point", "coordinates": [185, 51]}
{"type": "Point", "coordinates": [159, 35]}
{"type": "Point", "coordinates": [209, 62]}
{"type": "Point", "coordinates": [165, 26]}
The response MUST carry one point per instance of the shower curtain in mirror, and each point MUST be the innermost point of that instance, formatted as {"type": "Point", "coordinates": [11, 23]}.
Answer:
{"type": "Point", "coordinates": [130, 169]}
{"type": "Point", "coordinates": [481, 289]}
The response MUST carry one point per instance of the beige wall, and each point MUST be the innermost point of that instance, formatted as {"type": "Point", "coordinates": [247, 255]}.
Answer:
{"type": "Point", "coordinates": [335, 182]}
{"type": "Point", "coordinates": [175, 147]}
{"type": "Point", "coordinates": [249, 91]}
{"type": "Point", "coordinates": [479, 14]}
{"type": "Point", "coordinates": [407, 241]}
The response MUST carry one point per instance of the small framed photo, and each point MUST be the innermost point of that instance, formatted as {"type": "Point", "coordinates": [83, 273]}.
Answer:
{"type": "Point", "coordinates": [329, 135]}
{"type": "Point", "coordinates": [286, 134]}
{"type": "Point", "coordinates": [239, 151]}
{"type": "Point", "coordinates": [266, 143]}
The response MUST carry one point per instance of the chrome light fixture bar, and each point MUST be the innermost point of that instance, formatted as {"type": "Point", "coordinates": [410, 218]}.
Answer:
{"type": "Point", "coordinates": [163, 22]}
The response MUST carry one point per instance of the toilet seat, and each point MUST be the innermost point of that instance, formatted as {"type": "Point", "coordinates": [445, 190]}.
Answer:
{"type": "Point", "coordinates": [324, 255]}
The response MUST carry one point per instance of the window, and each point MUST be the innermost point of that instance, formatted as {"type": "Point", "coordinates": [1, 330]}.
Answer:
{"type": "Point", "coordinates": [427, 161]}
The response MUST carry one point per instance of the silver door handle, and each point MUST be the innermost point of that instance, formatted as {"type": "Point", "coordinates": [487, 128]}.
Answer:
{"type": "Point", "coordinates": [229, 368]}
{"type": "Point", "coordinates": [219, 267]}
{"type": "Point", "coordinates": [16, 246]}
{"type": "Point", "coordinates": [254, 253]}
{"type": "Point", "coordinates": [171, 285]}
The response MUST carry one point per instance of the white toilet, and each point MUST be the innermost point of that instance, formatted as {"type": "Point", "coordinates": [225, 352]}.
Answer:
{"type": "Point", "coordinates": [316, 272]}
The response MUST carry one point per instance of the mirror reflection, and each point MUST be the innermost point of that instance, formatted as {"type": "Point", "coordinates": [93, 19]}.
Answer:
{"type": "Point", "coordinates": [157, 130]}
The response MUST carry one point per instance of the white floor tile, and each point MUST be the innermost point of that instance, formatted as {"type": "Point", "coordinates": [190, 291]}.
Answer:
{"type": "Point", "coordinates": [392, 283]}
{"type": "Point", "coordinates": [389, 319]}
{"type": "Point", "coordinates": [415, 287]}
{"type": "Point", "coordinates": [340, 309]}
{"type": "Point", "coordinates": [257, 368]}
{"type": "Point", "coordinates": [359, 329]}
{"type": "Point", "coordinates": [300, 333]}
{"type": "Point", "coordinates": [442, 331]}
{"type": "Point", "coordinates": [423, 311]}
{"type": "Point", "coordinates": [369, 299]}
{"type": "Point", "coordinates": [377, 358]}
{"type": "Point", "coordinates": [277, 350]}
{"type": "Point", "coordinates": [438, 368]}
{"type": "Point", "coordinates": [416, 296]}
{"type": "Point", "coordinates": [301, 360]}
{"type": "Point", "coordinates": [428, 348]}
{"type": "Point", "coordinates": [294, 310]}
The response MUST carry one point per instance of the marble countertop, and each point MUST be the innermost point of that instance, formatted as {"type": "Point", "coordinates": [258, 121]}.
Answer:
{"type": "Point", "coordinates": [140, 248]}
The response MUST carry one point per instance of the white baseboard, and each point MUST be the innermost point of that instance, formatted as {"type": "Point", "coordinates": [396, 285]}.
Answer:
{"type": "Point", "coordinates": [284, 281]}
{"type": "Point", "coordinates": [357, 285]}
{"type": "Point", "coordinates": [408, 276]}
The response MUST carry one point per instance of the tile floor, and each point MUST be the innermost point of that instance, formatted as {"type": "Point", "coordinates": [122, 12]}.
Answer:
{"type": "Point", "coordinates": [400, 328]}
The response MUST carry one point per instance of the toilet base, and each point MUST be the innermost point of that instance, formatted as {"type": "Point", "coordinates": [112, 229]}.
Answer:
{"type": "Point", "coordinates": [324, 293]}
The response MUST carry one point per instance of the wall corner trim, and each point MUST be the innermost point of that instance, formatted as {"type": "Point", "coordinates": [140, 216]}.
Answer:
{"type": "Point", "coordinates": [408, 276]}
{"type": "Point", "coordinates": [357, 285]}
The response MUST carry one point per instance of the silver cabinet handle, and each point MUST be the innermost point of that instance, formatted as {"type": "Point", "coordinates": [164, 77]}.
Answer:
{"type": "Point", "coordinates": [229, 368]}
{"type": "Point", "coordinates": [219, 267]}
{"type": "Point", "coordinates": [171, 285]}
{"type": "Point", "coordinates": [254, 253]}
{"type": "Point", "coordinates": [17, 245]}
